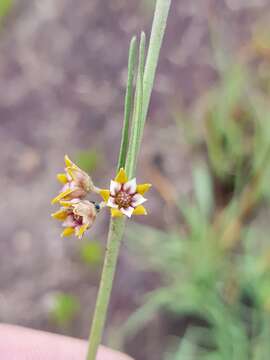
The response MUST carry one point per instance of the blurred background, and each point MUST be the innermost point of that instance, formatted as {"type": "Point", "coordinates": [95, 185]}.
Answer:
{"type": "Point", "coordinates": [193, 276]}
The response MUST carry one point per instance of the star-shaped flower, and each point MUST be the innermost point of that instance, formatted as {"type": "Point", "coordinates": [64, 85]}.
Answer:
{"type": "Point", "coordinates": [76, 183]}
{"type": "Point", "coordinates": [125, 196]}
{"type": "Point", "coordinates": [77, 216]}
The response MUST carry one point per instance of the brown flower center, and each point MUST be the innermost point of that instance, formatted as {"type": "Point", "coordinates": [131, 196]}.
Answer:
{"type": "Point", "coordinates": [123, 199]}
{"type": "Point", "coordinates": [78, 219]}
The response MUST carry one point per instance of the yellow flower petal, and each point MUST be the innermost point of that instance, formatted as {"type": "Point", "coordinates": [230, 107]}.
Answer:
{"type": "Point", "coordinates": [68, 162]}
{"type": "Point", "coordinates": [60, 215]}
{"type": "Point", "coordinates": [68, 231]}
{"type": "Point", "coordinates": [69, 170]}
{"type": "Point", "coordinates": [142, 188]}
{"type": "Point", "coordinates": [121, 177]}
{"type": "Point", "coordinates": [140, 210]}
{"type": "Point", "coordinates": [61, 196]}
{"type": "Point", "coordinates": [66, 203]}
{"type": "Point", "coordinates": [82, 230]}
{"type": "Point", "coordinates": [62, 178]}
{"type": "Point", "coordinates": [116, 213]}
{"type": "Point", "coordinates": [105, 194]}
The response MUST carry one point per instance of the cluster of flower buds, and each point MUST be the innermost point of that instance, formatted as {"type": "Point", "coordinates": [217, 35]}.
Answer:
{"type": "Point", "coordinates": [124, 197]}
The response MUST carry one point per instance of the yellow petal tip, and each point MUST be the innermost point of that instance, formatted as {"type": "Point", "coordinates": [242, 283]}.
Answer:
{"type": "Point", "coordinates": [105, 194]}
{"type": "Point", "coordinates": [59, 215]}
{"type": "Point", "coordinates": [67, 232]}
{"type": "Point", "coordinates": [121, 177]}
{"type": "Point", "coordinates": [140, 210]}
{"type": "Point", "coordinates": [65, 203]}
{"type": "Point", "coordinates": [54, 200]}
{"type": "Point", "coordinates": [81, 231]}
{"type": "Point", "coordinates": [61, 196]}
{"type": "Point", "coordinates": [116, 213]}
{"type": "Point", "coordinates": [143, 188]}
{"type": "Point", "coordinates": [68, 162]}
{"type": "Point", "coordinates": [62, 178]}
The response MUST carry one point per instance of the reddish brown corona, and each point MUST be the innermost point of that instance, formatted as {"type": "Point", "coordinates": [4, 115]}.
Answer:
{"type": "Point", "coordinates": [123, 199]}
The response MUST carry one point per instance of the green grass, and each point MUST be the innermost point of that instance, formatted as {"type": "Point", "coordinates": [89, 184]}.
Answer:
{"type": "Point", "coordinates": [89, 159]}
{"type": "Point", "coordinates": [215, 265]}
{"type": "Point", "coordinates": [91, 253]}
{"type": "Point", "coordinates": [64, 310]}
{"type": "Point", "coordinates": [5, 8]}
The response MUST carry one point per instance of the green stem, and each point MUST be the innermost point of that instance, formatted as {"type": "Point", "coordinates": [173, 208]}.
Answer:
{"type": "Point", "coordinates": [114, 240]}
{"type": "Point", "coordinates": [117, 226]}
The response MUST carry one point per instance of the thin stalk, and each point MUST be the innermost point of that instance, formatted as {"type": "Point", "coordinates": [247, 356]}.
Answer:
{"type": "Point", "coordinates": [117, 226]}
{"type": "Point", "coordinates": [115, 235]}
{"type": "Point", "coordinates": [134, 145]}
{"type": "Point", "coordinates": [128, 103]}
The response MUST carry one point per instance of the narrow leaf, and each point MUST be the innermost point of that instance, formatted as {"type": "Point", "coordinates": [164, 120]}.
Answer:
{"type": "Point", "coordinates": [136, 129]}
{"type": "Point", "coordinates": [128, 103]}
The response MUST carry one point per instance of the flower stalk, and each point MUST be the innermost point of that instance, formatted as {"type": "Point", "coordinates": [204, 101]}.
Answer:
{"type": "Point", "coordinates": [115, 235]}
{"type": "Point", "coordinates": [128, 158]}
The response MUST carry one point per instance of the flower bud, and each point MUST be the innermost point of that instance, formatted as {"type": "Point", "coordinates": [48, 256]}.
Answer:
{"type": "Point", "coordinates": [77, 216]}
{"type": "Point", "coordinates": [76, 183]}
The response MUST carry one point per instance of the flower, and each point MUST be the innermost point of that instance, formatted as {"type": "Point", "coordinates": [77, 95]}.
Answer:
{"type": "Point", "coordinates": [125, 196]}
{"type": "Point", "coordinates": [77, 216]}
{"type": "Point", "coordinates": [76, 183]}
